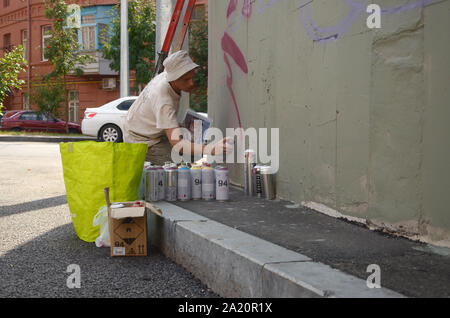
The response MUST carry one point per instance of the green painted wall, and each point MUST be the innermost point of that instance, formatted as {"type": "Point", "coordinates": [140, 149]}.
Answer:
{"type": "Point", "coordinates": [363, 118]}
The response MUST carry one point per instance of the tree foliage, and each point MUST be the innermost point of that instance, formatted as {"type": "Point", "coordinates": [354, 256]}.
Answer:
{"type": "Point", "coordinates": [141, 37]}
{"type": "Point", "coordinates": [11, 64]}
{"type": "Point", "coordinates": [63, 51]}
{"type": "Point", "coordinates": [47, 94]}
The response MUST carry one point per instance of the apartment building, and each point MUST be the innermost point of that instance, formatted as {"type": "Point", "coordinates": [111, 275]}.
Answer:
{"type": "Point", "coordinates": [24, 22]}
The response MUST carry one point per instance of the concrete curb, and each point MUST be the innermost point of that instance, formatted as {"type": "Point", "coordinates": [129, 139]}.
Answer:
{"type": "Point", "coordinates": [238, 265]}
{"type": "Point", "coordinates": [56, 139]}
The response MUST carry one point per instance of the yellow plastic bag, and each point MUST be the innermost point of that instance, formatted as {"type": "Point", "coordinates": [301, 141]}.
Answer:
{"type": "Point", "coordinates": [88, 168]}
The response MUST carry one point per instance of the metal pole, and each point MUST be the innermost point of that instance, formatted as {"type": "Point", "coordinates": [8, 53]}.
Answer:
{"type": "Point", "coordinates": [124, 60]}
{"type": "Point", "coordinates": [28, 48]}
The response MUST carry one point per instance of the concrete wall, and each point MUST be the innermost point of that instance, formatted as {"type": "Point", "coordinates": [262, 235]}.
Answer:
{"type": "Point", "coordinates": [362, 112]}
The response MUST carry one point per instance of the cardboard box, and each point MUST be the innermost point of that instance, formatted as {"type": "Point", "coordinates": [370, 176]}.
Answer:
{"type": "Point", "coordinates": [127, 228]}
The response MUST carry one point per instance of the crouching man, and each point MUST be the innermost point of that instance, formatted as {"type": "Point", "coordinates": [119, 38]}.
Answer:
{"type": "Point", "coordinates": [152, 119]}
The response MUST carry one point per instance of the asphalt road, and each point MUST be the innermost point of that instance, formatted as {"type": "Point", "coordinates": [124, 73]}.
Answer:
{"type": "Point", "coordinates": [38, 246]}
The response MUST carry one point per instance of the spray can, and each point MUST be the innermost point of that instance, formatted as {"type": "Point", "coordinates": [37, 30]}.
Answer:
{"type": "Point", "coordinates": [151, 184]}
{"type": "Point", "coordinates": [222, 183]}
{"type": "Point", "coordinates": [249, 165]}
{"type": "Point", "coordinates": [184, 183]}
{"type": "Point", "coordinates": [171, 182]}
{"type": "Point", "coordinates": [147, 164]}
{"type": "Point", "coordinates": [142, 184]}
{"type": "Point", "coordinates": [268, 182]}
{"type": "Point", "coordinates": [196, 182]}
{"type": "Point", "coordinates": [208, 182]}
{"type": "Point", "coordinates": [257, 180]}
{"type": "Point", "coordinates": [161, 182]}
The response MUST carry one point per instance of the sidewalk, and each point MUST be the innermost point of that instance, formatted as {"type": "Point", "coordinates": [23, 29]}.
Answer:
{"type": "Point", "coordinates": [250, 247]}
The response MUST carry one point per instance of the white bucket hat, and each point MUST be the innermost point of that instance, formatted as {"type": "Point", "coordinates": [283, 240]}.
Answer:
{"type": "Point", "coordinates": [178, 64]}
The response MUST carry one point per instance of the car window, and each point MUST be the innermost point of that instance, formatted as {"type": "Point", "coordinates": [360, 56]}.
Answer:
{"type": "Point", "coordinates": [10, 114]}
{"type": "Point", "coordinates": [125, 105]}
{"type": "Point", "coordinates": [43, 117]}
{"type": "Point", "coordinates": [28, 116]}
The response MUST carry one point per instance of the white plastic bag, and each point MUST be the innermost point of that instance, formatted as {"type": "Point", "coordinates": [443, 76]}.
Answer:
{"type": "Point", "coordinates": [101, 218]}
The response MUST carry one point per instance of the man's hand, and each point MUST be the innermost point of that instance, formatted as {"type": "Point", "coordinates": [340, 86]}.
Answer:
{"type": "Point", "coordinates": [173, 135]}
{"type": "Point", "coordinates": [225, 146]}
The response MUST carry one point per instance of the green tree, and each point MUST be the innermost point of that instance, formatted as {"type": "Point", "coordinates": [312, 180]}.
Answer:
{"type": "Point", "coordinates": [198, 50]}
{"type": "Point", "coordinates": [63, 50]}
{"type": "Point", "coordinates": [48, 95]}
{"type": "Point", "coordinates": [11, 64]}
{"type": "Point", "coordinates": [141, 35]}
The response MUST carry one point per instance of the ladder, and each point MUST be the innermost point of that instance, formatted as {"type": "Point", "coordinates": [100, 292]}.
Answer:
{"type": "Point", "coordinates": [171, 32]}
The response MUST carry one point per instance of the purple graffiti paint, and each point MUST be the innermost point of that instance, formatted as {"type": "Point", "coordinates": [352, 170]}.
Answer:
{"type": "Point", "coordinates": [407, 7]}
{"type": "Point", "coordinates": [319, 34]}
{"type": "Point", "coordinates": [266, 6]}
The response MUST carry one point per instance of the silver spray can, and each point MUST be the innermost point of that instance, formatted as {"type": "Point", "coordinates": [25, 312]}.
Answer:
{"type": "Point", "coordinates": [222, 183]}
{"type": "Point", "coordinates": [257, 180]}
{"type": "Point", "coordinates": [171, 182]}
{"type": "Point", "coordinates": [161, 183]}
{"type": "Point", "coordinates": [249, 165]}
{"type": "Point", "coordinates": [208, 183]}
{"type": "Point", "coordinates": [184, 183]}
{"type": "Point", "coordinates": [151, 184]}
{"type": "Point", "coordinates": [268, 182]}
{"type": "Point", "coordinates": [147, 164]}
{"type": "Point", "coordinates": [196, 182]}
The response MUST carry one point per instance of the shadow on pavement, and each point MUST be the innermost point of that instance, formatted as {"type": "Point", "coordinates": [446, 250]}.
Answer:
{"type": "Point", "coordinates": [39, 267]}
{"type": "Point", "coordinates": [32, 205]}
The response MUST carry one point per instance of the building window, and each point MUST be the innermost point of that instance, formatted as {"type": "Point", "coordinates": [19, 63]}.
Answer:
{"type": "Point", "coordinates": [25, 43]}
{"type": "Point", "coordinates": [46, 36]}
{"type": "Point", "coordinates": [6, 3]}
{"type": "Point", "coordinates": [73, 106]}
{"type": "Point", "coordinates": [103, 34]}
{"type": "Point", "coordinates": [7, 42]}
{"type": "Point", "coordinates": [88, 34]}
{"type": "Point", "coordinates": [26, 102]}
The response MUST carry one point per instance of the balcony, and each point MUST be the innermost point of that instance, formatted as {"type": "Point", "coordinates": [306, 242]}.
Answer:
{"type": "Point", "coordinates": [100, 65]}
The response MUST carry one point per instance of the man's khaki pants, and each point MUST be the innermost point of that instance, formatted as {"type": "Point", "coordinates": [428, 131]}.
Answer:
{"type": "Point", "coordinates": [160, 153]}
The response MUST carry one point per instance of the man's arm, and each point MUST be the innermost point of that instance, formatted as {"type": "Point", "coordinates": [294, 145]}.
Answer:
{"type": "Point", "coordinates": [175, 139]}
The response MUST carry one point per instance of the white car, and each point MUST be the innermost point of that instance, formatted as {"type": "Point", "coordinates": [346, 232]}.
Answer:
{"type": "Point", "coordinates": [106, 122]}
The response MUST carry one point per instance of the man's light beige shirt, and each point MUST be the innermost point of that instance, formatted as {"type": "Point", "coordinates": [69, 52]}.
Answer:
{"type": "Point", "coordinates": [154, 111]}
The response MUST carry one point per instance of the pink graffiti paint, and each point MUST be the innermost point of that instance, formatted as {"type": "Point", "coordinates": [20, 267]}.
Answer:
{"type": "Point", "coordinates": [247, 9]}
{"type": "Point", "coordinates": [230, 47]}
{"type": "Point", "coordinates": [231, 7]}
{"type": "Point", "coordinates": [230, 88]}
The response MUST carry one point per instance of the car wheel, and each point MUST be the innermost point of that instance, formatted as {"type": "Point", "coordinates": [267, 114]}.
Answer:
{"type": "Point", "coordinates": [110, 133]}
{"type": "Point", "coordinates": [73, 131]}
{"type": "Point", "coordinates": [17, 129]}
